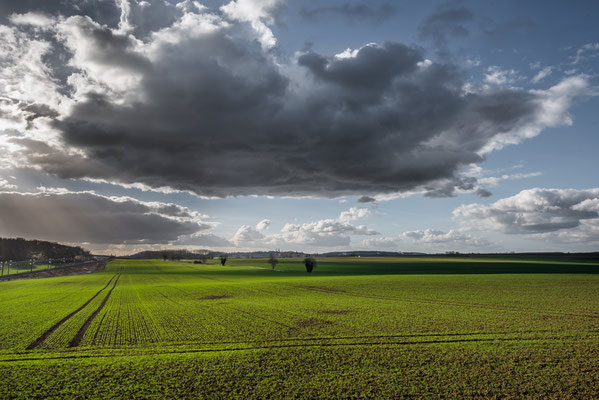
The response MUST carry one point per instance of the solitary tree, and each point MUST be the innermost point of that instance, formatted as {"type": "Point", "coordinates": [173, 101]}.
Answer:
{"type": "Point", "coordinates": [223, 260]}
{"type": "Point", "coordinates": [310, 263]}
{"type": "Point", "coordinates": [273, 261]}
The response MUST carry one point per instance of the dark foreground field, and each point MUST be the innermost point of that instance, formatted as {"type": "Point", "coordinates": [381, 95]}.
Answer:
{"type": "Point", "coordinates": [371, 328]}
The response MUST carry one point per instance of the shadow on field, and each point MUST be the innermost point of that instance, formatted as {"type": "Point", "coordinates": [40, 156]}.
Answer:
{"type": "Point", "coordinates": [455, 268]}
{"type": "Point", "coordinates": [352, 266]}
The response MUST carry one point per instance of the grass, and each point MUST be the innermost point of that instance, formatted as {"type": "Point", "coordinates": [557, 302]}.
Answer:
{"type": "Point", "coordinates": [23, 268]}
{"type": "Point", "coordinates": [359, 327]}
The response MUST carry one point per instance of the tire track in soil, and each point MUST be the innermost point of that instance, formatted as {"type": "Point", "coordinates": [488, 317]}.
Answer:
{"type": "Point", "coordinates": [379, 343]}
{"type": "Point", "coordinates": [329, 339]}
{"type": "Point", "coordinates": [98, 330]}
{"type": "Point", "coordinates": [168, 298]}
{"type": "Point", "coordinates": [289, 346]}
{"type": "Point", "coordinates": [79, 335]}
{"type": "Point", "coordinates": [57, 325]}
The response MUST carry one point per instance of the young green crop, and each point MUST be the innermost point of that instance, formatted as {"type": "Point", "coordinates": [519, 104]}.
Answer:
{"type": "Point", "coordinates": [354, 327]}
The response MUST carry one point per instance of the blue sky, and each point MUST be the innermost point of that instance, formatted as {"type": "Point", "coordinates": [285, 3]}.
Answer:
{"type": "Point", "coordinates": [308, 125]}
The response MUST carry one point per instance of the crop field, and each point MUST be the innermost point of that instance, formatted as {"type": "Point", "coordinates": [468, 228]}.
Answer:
{"type": "Point", "coordinates": [355, 327]}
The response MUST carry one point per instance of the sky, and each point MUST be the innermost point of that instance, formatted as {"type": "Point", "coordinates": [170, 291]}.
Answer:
{"type": "Point", "coordinates": [305, 125]}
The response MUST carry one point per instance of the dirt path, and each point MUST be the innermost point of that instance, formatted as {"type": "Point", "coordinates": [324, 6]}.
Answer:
{"type": "Point", "coordinates": [54, 327]}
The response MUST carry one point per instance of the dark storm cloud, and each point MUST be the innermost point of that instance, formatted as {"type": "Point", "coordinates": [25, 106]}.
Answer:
{"type": "Point", "coordinates": [448, 188]}
{"type": "Point", "coordinates": [105, 12]}
{"type": "Point", "coordinates": [232, 124]}
{"type": "Point", "coordinates": [352, 12]}
{"type": "Point", "coordinates": [37, 111]}
{"type": "Point", "coordinates": [87, 217]}
{"type": "Point", "coordinates": [203, 107]}
{"type": "Point", "coordinates": [448, 21]}
{"type": "Point", "coordinates": [483, 192]}
{"type": "Point", "coordinates": [371, 72]}
{"type": "Point", "coordinates": [366, 199]}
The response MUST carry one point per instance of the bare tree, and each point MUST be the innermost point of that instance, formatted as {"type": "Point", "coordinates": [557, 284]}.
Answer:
{"type": "Point", "coordinates": [310, 263]}
{"type": "Point", "coordinates": [273, 261]}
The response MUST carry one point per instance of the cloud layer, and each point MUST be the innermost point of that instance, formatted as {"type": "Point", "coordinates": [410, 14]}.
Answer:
{"type": "Point", "coordinates": [533, 211]}
{"type": "Point", "coordinates": [200, 100]}
{"type": "Point", "coordinates": [88, 217]}
{"type": "Point", "coordinates": [430, 240]}
{"type": "Point", "coordinates": [328, 232]}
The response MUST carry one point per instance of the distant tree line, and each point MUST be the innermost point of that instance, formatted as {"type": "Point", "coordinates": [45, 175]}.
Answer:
{"type": "Point", "coordinates": [176, 255]}
{"type": "Point", "coordinates": [180, 254]}
{"type": "Point", "coordinates": [20, 249]}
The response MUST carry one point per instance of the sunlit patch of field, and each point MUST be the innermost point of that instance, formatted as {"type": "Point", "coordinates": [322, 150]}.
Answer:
{"type": "Point", "coordinates": [370, 327]}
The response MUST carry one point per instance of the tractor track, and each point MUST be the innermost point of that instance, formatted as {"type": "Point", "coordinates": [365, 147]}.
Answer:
{"type": "Point", "coordinates": [79, 335]}
{"type": "Point", "coordinates": [57, 325]}
{"type": "Point", "coordinates": [305, 345]}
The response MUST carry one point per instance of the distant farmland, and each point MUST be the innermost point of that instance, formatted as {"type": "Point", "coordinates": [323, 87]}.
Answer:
{"type": "Point", "coordinates": [355, 327]}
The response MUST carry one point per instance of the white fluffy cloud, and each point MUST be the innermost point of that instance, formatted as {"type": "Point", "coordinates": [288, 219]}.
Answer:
{"type": "Point", "coordinates": [322, 233]}
{"type": "Point", "coordinates": [262, 225]}
{"type": "Point", "coordinates": [258, 13]}
{"type": "Point", "coordinates": [542, 74]}
{"type": "Point", "coordinates": [586, 233]}
{"type": "Point", "coordinates": [552, 106]}
{"type": "Point", "coordinates": [532, 211]}
{"type": "Point", "coordinates": [498, 76]}
{"type": "Point", "coordinates": [5, 185]}
{"type": "Point", "coordinates": [431, 236]}
{"type": "Point", "coordinates": [354, 213]}
{"type": "Point", "coordinates": [385, 243]}
{"type": "Point", "coordinates": [35, 19]}
{"type": "Point", "coordinates": [589, 50]}
{"type": "Point", "coordinates": [207, 240]}
{"type": "Point", "coordinates": [247, 236]}
{"type": "Point", "coordinates": [326, 232]}
{"type": "Point", "coordinates": [428, 239]}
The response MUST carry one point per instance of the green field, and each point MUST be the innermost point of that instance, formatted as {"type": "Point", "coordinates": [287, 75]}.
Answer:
{"type": "Point", "coordinates": [24, 268]}
{"type": "Point", "coordinates": [360, 327]}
